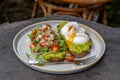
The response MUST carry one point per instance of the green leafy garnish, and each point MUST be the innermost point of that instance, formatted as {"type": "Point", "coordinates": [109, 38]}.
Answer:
{"type": "Point", "coordinates": [37, 57]}
{"type": "Point", "coordinates": [31, 36]}
{"type": "Point", "coordinates": [28, 55]}
{"type": "Point", "coordinates": [41, 49]}
{"type": "Point", "coordinates": [38, 49]}
{"type": "Point", "coordinates": [35, 41]}
{"type": "Point", "coordinates": [62, 42]}
{"type": "Point", "coordinates": [45, 49]}
{"type": "Point", "coordinates": [32, 49]}
{"type": "Point", "coordinates": [38, 33]}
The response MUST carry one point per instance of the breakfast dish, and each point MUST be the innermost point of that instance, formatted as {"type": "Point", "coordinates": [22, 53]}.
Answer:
{"type": "Point", "coordinates": [77, 39]}
{"type": "Point", "coordinates": [70, 42]}
{"type": "Point", "coordinates": [53, 51]}
{"type": "Point", "coordinates": [47, 44]}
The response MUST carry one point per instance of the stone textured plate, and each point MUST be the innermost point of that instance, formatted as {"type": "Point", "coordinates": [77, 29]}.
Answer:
{"type": "Point", "coordinates": [21, 47]}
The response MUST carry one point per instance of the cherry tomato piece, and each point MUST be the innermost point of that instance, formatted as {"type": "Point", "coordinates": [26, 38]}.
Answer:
{"type": "Point", "coordinates": [33, 45]}
{"type": "Point", "coordinates": [70, 58]}
{"type": "Point", "coordinates": [46, 36]}
{"type": "Point", "coordinates": [34, 37]}
{"type": "Point", "coordinates": [56, 48]}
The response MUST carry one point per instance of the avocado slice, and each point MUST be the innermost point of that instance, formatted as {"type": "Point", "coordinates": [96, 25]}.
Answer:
{"type": "Point", "coordinates": [51, 55]}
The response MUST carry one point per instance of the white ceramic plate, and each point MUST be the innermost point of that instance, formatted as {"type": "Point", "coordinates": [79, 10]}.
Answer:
{"type": "Point", "coordinates": [21, 47]}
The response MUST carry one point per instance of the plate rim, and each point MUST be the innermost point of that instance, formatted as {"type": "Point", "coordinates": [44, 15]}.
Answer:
{"type": "Point", "coordinates": [58, 71]}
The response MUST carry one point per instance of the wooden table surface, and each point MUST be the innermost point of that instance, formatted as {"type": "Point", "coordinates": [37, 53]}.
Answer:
{"type": "Point", "coordinates": [11, 68]}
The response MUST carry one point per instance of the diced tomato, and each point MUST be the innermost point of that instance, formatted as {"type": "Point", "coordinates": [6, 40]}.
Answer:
{"type": "Point", "coordinates": [56, 48]}
{"type": "Point", "coordinates": [48, 25]}
{"type": "Point", "coordinates": [52, 32]}
{"type": "Point", "coordinates": [70, 58]}
{"type": "Point", "coordinates": [34, 37]}
{"type": "Point", "coordinates": [51, 47]}
{"type": "Point", "coordinates": [33, 45]}
{"type": "Point", "coordinates": [43, 44]}
{"type": "Point", "coordinates": [34, 31]}
{"type": "Point", "coordinates": [46, 36]}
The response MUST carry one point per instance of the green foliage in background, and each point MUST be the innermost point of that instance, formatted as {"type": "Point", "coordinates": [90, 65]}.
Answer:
{"type": "Point", "coordinates": [113, 10]}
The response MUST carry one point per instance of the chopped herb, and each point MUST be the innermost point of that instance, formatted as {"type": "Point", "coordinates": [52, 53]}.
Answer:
{"type": "Point", "coordinates": [45, 49]}
{"type": "Point", "coordinates": [37, 49]}
{"type": "Point", "coordinates": [35, 41]}
{"type": "Point", "coordinates": [37, 57]}
{"type": "Point", "coordinates": [28, 55]}
{"type": "Point", "coordinates": [31, 36]}
{"type": "Point", "coordinates": [32, 49]}
{"type": "Point", "coordinates": [38, 33]}
{"type": "Point", "coordinates": [62, 42]}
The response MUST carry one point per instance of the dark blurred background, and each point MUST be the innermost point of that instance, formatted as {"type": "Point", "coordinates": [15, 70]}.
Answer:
{"type": "Point", "coordinates": [18, 10]}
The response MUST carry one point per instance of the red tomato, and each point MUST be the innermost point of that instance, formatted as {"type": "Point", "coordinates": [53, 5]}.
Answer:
{"type": "Point", "coordinates": [56, 48]}
{"type": "Point", "coordinates": [34, 37]}
{"type": "Point", "coordinates": [34, 32]}
{"type": "Point", "coordinates": [70, 58]}
{"type": "Point", "coordinates": [52, 32]}
{"type": "Point", "coordinates": [33, 45]}
{"type": "Point", "coordinates": [46, 36]}
{"type": "Point", "coordinates": [51, 47]}
{"type": "Point", "coordinates": [43, 44]}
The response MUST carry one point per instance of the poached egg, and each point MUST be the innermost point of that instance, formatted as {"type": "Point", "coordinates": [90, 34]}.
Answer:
{"type": "Point", "coordinates": [74, 33]}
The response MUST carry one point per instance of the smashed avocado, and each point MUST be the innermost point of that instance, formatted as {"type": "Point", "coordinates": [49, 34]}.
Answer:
{"type": "Point", "coordinates": [60, 55]}
{"type": "Point", "coordinates": [61, 25]}
{"type": "Point", "coordinates": [79, 48]}
{"type": "Point", "coordinates": [76, 48]}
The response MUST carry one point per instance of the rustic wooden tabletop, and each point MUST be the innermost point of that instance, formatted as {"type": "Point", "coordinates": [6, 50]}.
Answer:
{"type": "Point", "coordinates": [11, 68]}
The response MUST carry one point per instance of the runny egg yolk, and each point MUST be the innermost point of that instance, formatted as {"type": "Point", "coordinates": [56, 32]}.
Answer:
{"type": "Point", "coordinates": [71, 38]}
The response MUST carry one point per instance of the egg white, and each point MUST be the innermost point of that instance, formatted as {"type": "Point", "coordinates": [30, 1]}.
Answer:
{"type": "Point", "coordinates": [65, 29]}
